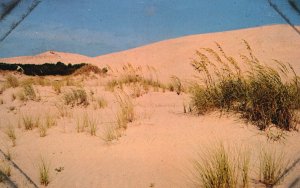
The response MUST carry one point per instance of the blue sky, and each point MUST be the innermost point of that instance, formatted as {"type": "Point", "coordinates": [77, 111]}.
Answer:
{"type": "Point", "coordinates": [96, 27]}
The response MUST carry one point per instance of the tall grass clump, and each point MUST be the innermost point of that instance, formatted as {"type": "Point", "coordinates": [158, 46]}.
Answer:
{"type": "Point", "coordinates": [87, 121]}
{"type": "Point", "coordinates": [30, 122]}
{"type": "Point", "coordinates": [50, 121]}
{"type": "Point", "coordinates": [272, 167]}
{"type": "Point", "coordinates": [219, 167]}
{"type": "Point", "coordinates": [262, 94]}
{"type": "Point", "coordinates": [57, 86]}
{"type": "Point", "coordinates": [176, 85]}
{"type": "Point", "coordinates": [110, 133]}
{"type": "Point", "coordinates": [125, 113]}
{"type": "Point", "coordinates": [27, 93]}
{"type": "Point", "coordinates": [76, 97]}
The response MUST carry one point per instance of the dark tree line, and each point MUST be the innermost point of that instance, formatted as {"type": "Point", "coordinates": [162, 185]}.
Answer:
{"type": "Point", "coordinates": [42, 70]}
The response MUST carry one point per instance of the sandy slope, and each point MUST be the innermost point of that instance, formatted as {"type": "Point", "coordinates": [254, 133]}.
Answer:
{"type": "Point", "coordinates": [173, 57]}
{"type": "Point", "coordinates": [157, 148]}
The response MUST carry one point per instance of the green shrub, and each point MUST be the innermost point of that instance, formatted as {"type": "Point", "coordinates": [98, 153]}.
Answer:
{"type": "Point", "coordinates": [261, 94]}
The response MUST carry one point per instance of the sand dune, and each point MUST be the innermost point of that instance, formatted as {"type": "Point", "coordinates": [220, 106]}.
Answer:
{"type": "Point", "coordinates": [157, 147]}
{"type": "Point", "coordinates": [173, 57]}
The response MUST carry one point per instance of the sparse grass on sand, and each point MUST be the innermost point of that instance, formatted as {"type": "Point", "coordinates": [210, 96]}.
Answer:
{"type": "Point", "coordinates": [5, 170]}
{"type": "Point", "coordinates": [87, 121]}
{"type": "Point", "coordinates": [221, 167]}
{"type": "Point", "coordinates": [176, 85]}
{"type": "Point", "coordinates": [57, 86]}
{"type": "Point", "coordinates": [50, 121]}
{"type": "Point", "coordinates": [44, 172]}
{"type": "Point", "coordinates": [11, 81]}
{"type": "Point", "coordinates": [101, 102]}
{"type": "Point", "coordinates": [111, 132]}
{"type": "Point", "coordinates": [125, 113]}
{"type": "Point", "coordinates": [10, 132]}
{"type": "Point", "coordinates": [63, 110]}
{"type": "Point", "coordinates": [272, 167]}
{"type": "Point", "coordinates": [76, 97]}
{"type": "Point", "coordinates": [30, 122]}
{"type": "Point", "coordinates": [132, 76]}
{"type": "Point", "coordinates": [42, 130]}
{"type": "Point", "coordinates": [260, 93]}
{"type": "Point", "coordinates": [27, 93]}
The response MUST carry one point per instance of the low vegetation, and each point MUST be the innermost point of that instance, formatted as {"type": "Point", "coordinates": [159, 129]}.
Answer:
{"type": "Point", "coordinates": [57, 85]}
{"type": "Point", "coordinates": [29, 92]}
{"type": "Point", "coordinates": [10, 132]}
{"type": "Point", "coordinates": [11, 81]}
{"type": "Point", "coordinates": [111, 132]}
{"type": "Point", "coordinates": [88, 68]}
{"type": "Point", "coordinates": [87, 122]}
{"type": "Point", "coordinates": [125, 113]}
{"type": "Point", "coordinates": [42, 130]}
{"type": "Point", "coordinates": [176, 85]}
{"type": "Point", "coordinates": [30, 122]}
{"type": "Point", "coordinates": [101, 102]}
{"type": "Point", "coordinates": [76, 97]}
{"type": "Point", "coordinates": [50, 121]}
{"type": "Point", "coordinates": [5, 170]}
{"type": "Point", "coordinates": [272, 166]}
{"type": "Point", "coordinates": [44, 172]}
{"type": "Point", "coordinates": [133, 76]}
{"type": "Point", "coordinates": [260, 93]}
{"type": "Point", "coordinates": [221, 168]}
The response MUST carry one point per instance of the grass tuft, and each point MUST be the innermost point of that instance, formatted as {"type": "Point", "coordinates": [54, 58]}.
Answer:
{"type": "Point", "coordinates": [44, 172]}
{"type": "Point", "coordinates": [76, 97]}
{"type": "Point", "coordinates": [50, 121]}
{"type": "Point", "coordinates": [42, 130]}
{"type": "Point", "coordinates": [30, 122]}
{"type": "Point", "coordinates": [220, 168]}
{"type": "Point", "coordinates": [110, 133]}
{"type": "Point", "coordinates": [57, 85]}
{"type": "Point", "coordinates": [10, 132]}
{"type": "Point", "coordinates": [87, 121]}
{"type": "Point", "coordinates": [272, 167]}
{"type": "Point", "coordinates": [101, 102]}
{"type": "Point", "coordinates": [11, 81]}
{"type": "Point", "coordinates": [125, 113]}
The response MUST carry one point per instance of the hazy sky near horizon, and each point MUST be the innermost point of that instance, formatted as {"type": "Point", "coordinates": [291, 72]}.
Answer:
{"type": "Point", "coordinates": [96, 27]}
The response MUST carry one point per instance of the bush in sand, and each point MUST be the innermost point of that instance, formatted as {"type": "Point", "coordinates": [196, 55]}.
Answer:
{"type": "Point", "coordinates": [261, 94]}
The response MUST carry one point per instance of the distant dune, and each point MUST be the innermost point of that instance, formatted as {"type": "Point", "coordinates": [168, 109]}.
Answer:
{"type": "Point", "coordinates": [173, 57]}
